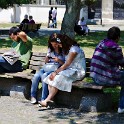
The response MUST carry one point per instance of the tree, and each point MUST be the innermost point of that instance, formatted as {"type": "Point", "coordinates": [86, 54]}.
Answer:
{"type": "Point", "coordinates": [10, 3]}
{"type": "Point", "coordinates": [71, 15]}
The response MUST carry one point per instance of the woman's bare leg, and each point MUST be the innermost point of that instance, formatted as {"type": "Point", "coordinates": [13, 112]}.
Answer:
{"type": "Point", "coordinates": [52, 92]}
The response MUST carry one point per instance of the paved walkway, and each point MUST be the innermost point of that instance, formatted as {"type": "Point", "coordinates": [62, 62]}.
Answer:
{"type": "Point", "coordinates": [44, 30]}
{"type": "Point", "coordinates": [18, 111]}
{"type": "Point", "coordinates": [93, 28]}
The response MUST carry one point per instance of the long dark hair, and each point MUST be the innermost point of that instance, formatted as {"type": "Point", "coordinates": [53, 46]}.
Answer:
{"type": "Point", "coordinates": [67, 42]}
{"type": "Point", "coordinates": [53, 38]}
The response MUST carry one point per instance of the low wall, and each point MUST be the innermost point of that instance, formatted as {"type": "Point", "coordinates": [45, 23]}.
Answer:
{"type": "Point", "coordinates": [39, 13]}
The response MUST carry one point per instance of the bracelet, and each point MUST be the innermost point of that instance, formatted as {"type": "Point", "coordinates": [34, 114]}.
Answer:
{"type": "Point", "coordinates": [56, 72]}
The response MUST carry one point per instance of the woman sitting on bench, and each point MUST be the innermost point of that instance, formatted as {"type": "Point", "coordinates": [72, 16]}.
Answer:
{"type": "Point", "coordinates": [54, 57]}
{"type": "Point", "coordinates": [73, 69]}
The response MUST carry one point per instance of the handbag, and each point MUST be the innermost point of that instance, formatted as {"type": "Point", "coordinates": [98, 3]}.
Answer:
{"type": "Point", "coordinates": [48, 67]}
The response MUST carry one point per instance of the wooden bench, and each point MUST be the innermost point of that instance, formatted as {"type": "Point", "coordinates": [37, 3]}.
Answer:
{"type": "Point", "coordinates": [85, 96]}
{"type": "Point", "coordinates": [30, 27]}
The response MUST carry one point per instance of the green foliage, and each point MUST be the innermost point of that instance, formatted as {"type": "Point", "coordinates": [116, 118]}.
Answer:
{"type": "Point", "coordinates": [90, 2]}
{"type": "Point", "coordinates": [5, 43]}
{"type": "Point", "coordinates": [10, 3]}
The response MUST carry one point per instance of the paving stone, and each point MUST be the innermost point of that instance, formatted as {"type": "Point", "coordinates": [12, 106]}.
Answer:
{"type": "Point", "coordinates": [18, 111]}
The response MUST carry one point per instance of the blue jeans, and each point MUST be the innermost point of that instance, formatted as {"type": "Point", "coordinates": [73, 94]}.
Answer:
{"type": "Point", "coordinates": [39, 76]}
{"type": "Point", "coordinates": [5, 67]}
{"type": "Point", "coordinates": [121, 100]}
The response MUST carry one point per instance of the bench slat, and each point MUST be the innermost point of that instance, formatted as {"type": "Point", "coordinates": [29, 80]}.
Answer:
{"type": "Point", "coordinates": [30, 27]}
{"type": "Point", "coordinates": [32, 67]}
{"type": "Point", "coordinates": [39, 63]}
{"type": "Point", "coordinates": [39, 54]}
{"type": "Point", "coordinates": [23, 74]}
{"type": "Point", "coordinates": [40, 58]}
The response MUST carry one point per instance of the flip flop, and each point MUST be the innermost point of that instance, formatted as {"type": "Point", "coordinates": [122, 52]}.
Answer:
{"type": "Point", "coordinates": [51, 104]}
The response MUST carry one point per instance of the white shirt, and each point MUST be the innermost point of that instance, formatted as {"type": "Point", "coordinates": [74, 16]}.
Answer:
{"type": "Point", "coordinates": [54, 13]}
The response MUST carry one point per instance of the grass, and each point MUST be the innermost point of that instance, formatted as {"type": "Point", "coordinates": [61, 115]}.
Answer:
{"type": "Point", "coordinates": [5, 25]}
{"type": "Point", "coordinates": [88, 44]}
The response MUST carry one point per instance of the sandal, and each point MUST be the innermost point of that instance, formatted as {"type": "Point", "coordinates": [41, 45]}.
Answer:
{"type": "Point", "coordinates": [41, 104]}
{"type": "Point", "coordinates": [51, 104]}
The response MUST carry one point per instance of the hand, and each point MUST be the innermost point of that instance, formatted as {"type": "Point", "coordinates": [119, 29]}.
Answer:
{"type": "Point", "coordinates": [52, 76]}
{"type": "Point", "coordinates": [55, 59]}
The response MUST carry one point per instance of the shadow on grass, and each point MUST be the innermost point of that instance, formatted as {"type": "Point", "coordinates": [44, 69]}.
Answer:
{"type": "Point", "coordinates": [85, 41]}
{"type": "Point", "coordinates": [5, 43]}
{"type": "Point", "coordinates": [94, 38]}
{"type": "Point", "coordinates": [40, 41]}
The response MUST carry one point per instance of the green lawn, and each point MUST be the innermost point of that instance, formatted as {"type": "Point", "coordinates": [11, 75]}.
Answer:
{"type": "Point", "coordinates": [88, 43]}
{"type": "Point", "coordinates": [5, 25]}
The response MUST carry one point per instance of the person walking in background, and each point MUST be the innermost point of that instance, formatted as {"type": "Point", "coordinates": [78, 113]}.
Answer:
{"type": "Point", "coordinates": [106, 62]}
{"type": "Point", "coordinates": [31, 21]}
{"type": "Point", "coordinates": [50, 17]}
{"type": "Point", "coordinates": [54, 17]}
{"type": "Point", "coordinates": [55, 57]}
{"type": "Point", "coordinates": [73, 69]}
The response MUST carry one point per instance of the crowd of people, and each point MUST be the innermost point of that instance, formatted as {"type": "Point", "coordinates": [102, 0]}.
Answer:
{"type": "Point", "coordinates": [65, 63]}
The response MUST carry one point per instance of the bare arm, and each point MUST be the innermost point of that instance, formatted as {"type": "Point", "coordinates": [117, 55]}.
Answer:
{"type": "Point", "coordinates": [23, 36]}
{"type": "Point", "coordinates": [56, 59]}
{"type": "Point", "coordinates": [71, 57]}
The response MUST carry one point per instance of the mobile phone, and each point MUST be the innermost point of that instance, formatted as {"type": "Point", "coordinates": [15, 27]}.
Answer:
{"type": "Point", "coordinates": [49, 57]}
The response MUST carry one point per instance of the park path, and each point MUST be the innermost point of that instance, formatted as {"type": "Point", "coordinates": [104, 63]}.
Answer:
{"type": "Point", "coordinates": [20, 111]}
{"type": "Point", "coordinates": [47, 31]}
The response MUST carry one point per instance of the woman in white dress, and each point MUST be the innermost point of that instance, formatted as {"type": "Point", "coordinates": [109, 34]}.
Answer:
{"type": "Point", "coordinates": [73, 69]}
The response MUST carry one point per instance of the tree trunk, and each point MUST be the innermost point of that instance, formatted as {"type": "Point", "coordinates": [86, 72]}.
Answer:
{"type": "Point", "coordinates": [71, 14]}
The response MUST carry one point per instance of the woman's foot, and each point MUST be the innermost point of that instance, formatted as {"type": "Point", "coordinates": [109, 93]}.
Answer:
{"type": "Point", "coordinates": [42, 104]}
{"type": "Point", "coordinates": [51, 104]}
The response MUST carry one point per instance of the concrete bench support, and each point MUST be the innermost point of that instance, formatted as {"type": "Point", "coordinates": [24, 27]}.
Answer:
{"type": "Point", "coordinates": [96, 102]}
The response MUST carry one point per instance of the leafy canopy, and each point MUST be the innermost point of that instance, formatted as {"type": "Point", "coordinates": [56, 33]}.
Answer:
{"type": "Point", "coordinates": [9, 3]}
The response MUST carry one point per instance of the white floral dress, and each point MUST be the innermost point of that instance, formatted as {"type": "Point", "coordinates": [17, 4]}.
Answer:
{"type": "Point", "coordinates": [76, 71]}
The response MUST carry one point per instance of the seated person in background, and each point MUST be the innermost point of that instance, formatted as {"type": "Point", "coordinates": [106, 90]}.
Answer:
{"type": "Point", "coordinates": [55, 57]}
{"type": "Point", "coordinates": [31, 21]}
{"type": "Point", "coordinates": [106, 62]}
{"type": "Point", "coordinates": [73, 69]}
{"type": "Point", "coordinates": [83, 25]}
{"type": "Point", "coordinates": [22, 45]}
{"type": "Point", "coordinates": [24, 21]}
